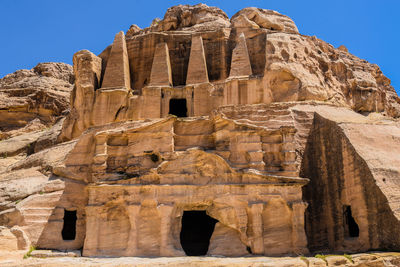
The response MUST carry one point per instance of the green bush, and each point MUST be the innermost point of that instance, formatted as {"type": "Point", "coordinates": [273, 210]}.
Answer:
{"type": "Point", "coordinates": [28, 254]}
{"type": "Point", "coordinates": [348, 257]}
{"type": "Point", "coordinates": [321, 256]}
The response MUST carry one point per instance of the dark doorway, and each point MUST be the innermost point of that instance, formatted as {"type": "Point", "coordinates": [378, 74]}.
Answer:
{"type": "Point", "coordinates": [197, 228]}
{"type": "Point", "coordinates": [69, 229]}
{"type": "Point", "coordinates": [351, 227]}
{"type": "Point", "coordinates": [178, 107]}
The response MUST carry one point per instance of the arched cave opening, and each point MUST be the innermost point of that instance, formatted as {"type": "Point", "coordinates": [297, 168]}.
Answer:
{"type": "Point", "coordinates": [177, 107]}
{"type": "Point", "coordinates": [351, 227]}
{"type": "Point", "coordinates": [197, 228]}
{"type": "Point", "coordinates": [69, 228]}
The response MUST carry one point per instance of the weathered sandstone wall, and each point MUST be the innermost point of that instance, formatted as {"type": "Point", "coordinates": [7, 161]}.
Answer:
{"type": "Point", "coordinates": [256, 57]}
{"type": "Point", "coordinates": [351, 164]}
{"type": "Point", "coordinates": [32, 100]}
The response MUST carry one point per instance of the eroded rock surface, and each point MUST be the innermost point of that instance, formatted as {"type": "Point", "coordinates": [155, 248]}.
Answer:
{"type": "Point", "coordinates": [258, 56]}
{"type": "Point", "coordinates": [256, 18]}
{"type": "Point", "coordinates": [358, 162]}
{"type": "Point", "coordinates": [32, 100]}
{"type": "Point", "coordinates": [54, 258]}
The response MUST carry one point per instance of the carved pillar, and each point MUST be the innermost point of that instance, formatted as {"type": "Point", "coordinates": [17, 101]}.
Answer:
{"type": "Point", "coordinates": [166, 247]}
{"type": "Point", "coordinates": [92, 231]}
{"type": "Point", "coordinates": [231, 92]}
{"type": "Point", "coordinates": [151, 101]}
{"type": "Point", "coordinates": [299, 239]}
{"type": "Point", "coordinates": [101, 146]}
{"type": "Point", "coordinates": [257, 240]}
{"type": "Point", "coordinates": [133, 213]}
{"type": "Point", "coordinates": [99, 165]}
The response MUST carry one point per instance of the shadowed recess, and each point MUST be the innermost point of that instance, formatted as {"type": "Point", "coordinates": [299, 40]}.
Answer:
{"type": "Point", "coordinates": [197, 228]}
{"type": "Point", "coordinates": [69, 228]}
{"type": "Point", "coordinates": [350, 223]}
{"type": "Point", "coordinates": [178, 107]}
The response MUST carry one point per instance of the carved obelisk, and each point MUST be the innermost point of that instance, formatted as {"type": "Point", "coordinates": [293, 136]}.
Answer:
{"type": "Point", "coordinates": [161, 74]}
{"type": "Point", "coordinates": [197, 70]}
{"type": "Point", "coordinates": [240, 64]}
{"type": "Point", "coordinates": [117, 70]}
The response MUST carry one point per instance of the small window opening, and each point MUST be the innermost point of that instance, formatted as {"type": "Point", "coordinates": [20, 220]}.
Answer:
{"type": "Point", "coordinates": [197, 228]}
{"type": "Point", "coordinates": [351, 226]}
{"type": "Point", "coordinates": [69, 228]}
{"type": "Point", "coordinates": [178, 107]}
{"type": "Point", "coordinates": [249, 250]}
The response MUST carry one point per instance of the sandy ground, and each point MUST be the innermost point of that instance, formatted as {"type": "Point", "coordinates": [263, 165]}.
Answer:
{"type": "Point", "coordinates": [366, 259]}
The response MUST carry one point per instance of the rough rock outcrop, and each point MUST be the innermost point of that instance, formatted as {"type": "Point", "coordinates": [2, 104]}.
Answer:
{"type": "Point", "coordinates": [258, 58]}
{"type": "Point", "coordinates": [32, 100]}
{"type": "Point", "coordinates": [185, 17]}
{"type": "Point", "coordinates": [355, 160]}
{"type": "Point", "coordinates": [256, 18]}
{"type": "Point", "coordinates": [87, 68]}
{"type": "Point", "coordinates": [32, 106]}
{"type": "Point", "coordinates": [305, 68]}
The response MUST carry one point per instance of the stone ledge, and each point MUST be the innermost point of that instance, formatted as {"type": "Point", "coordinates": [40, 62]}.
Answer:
{"type": "Point", "coordinates": [54, 253]}
{"type": "Point", "coordinates": [364, 259]}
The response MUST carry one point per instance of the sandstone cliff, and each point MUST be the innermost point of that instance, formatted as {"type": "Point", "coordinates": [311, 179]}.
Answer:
{"type": "Point", "coordinates": [262, 46]}
{"type": "Point", "coordinates": [297, 67]}
{"type": "Point", "coordinates": [33, 99]}
{"type": "Point", "coordinates": [31, 102]}
{"type": "Point", "coordinates": [353, 161]}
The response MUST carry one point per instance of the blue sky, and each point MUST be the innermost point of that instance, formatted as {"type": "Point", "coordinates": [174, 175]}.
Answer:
{"type": "Point", "coordinates": [53, 30]}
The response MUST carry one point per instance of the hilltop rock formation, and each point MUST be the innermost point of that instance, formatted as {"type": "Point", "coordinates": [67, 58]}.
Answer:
{"type": "Point", "coordinates": [32, 100]}
{"type": "Point", "coordinates": [280, 64]}
{"type": "Point", "coordinates": [33, 105]}
{"type": "Point", "coordinates": [204, 135]}
{"type": "Point", "coordinates": [256, 18]}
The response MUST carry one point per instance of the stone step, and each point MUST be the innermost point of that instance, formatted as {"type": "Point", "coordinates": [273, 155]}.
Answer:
{"type": "Point", "coordinates": [36, 218]}
{"type": "Point", "coordinates": [184, 148]}
{"type": "Point", "coordinates": [54, 253]}
{"type": "Point", "coordinates": [304, 120]}
{"type": "Point", "coordinates": [183, 142]}
{"type": "Point", "coordinates": [260, 115]}
{"type": "Point", "coordinates": [268, 124]}
{"type": "Point", "coordinates": [43, 201]}
{"type": "Point", "coordinates": [37, 214]}
{"type": "Point", "coordinates": [256, 114]}
{"type": "Point", "coordinates": [269, 118]}
{"type": "Point", "coordinates": [284, 173]}
{"type": "Point", "coordinates": [35, 221]}
{"type": "Point", "coordinates": [37, 210]}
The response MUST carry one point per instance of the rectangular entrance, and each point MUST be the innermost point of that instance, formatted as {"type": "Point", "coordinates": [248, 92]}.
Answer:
{"type": "Point", "coordinates": [178, 107]}
{"type": "Point", "coordinates": [69, 228]}
{"type": "Point", "coordinates": [197, 228]}
{"type": "Point", "coordinates": [351, 227]}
